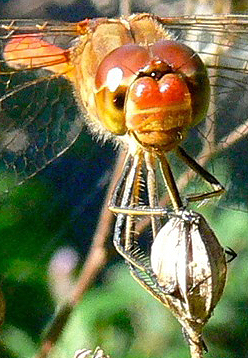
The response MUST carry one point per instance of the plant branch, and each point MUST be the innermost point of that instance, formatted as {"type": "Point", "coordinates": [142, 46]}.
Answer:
{"type": "Point", "coordinates": [95, 261]}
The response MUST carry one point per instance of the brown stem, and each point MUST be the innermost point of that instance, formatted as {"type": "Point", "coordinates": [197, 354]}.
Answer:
{"type": "Point", "coordinates": [95, 261]}
{"type": "Point", "coordinates": [125, 8]}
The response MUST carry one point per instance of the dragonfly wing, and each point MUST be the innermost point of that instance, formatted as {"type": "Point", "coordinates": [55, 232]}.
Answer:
{"type": "Point", "coordinates": [39, 118]}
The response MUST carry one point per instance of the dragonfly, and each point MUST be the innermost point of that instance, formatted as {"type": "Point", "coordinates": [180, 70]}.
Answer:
{"type": "Point", "coordinates": [158, 87]}
{"type": "Point", "coordinates": [122, 79]}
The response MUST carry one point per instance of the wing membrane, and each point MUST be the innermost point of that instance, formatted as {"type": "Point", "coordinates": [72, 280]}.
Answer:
{"type": "Point", "coordinates": [39, 118]}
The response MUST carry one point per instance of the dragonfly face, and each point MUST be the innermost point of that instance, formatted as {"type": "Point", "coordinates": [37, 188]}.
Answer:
{"type": "Point", "coordinates": [151, 90]}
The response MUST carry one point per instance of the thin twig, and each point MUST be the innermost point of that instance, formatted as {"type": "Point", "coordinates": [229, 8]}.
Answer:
{"type": "Point", "coordinates": [125, 7]}
{"type": "Point", "coordinates": [95, 261]}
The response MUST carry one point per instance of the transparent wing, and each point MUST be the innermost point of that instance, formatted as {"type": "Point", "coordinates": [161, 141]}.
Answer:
{"type": "Point", "coordinates": [39, 118]}
{"type": "Point", "coordinates": [221, 141]}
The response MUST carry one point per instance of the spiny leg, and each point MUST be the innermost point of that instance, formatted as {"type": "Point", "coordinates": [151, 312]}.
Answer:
{"type": "Point", "coordinates": [218, 189]}
{"type": "Point", "coordinates": [125, 236]}
{"type": "Point", "coordinates": [231, 253]}
{"type": "Point", "coordinates": [124, 233]}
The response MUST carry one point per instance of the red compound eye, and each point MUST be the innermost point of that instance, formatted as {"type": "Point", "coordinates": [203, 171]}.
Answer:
{"type": "Point", "coordinates": [114, 75]}
{"type": "Point", "coordinates": [184, 60]}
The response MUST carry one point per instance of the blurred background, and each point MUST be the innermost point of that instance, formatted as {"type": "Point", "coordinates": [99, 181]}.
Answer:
{"type": "Point", "coordinates": [47, 224]}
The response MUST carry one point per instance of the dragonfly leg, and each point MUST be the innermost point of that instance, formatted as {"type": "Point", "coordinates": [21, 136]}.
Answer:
{"type": "Point", "coordinates": [150, 284]}
{"type": "Point", "coordinates": [128, 247]}
{"type": "Point", "coordinates": [131, 251]}
{"type": "Point", "coordinates": [231, 253]}
{"type": "Point", "coordinates": [218, 189]}
{"type": "Point", "coordinates": [125, 203]}
{"type": "Point", "coordinates": [118, 204]}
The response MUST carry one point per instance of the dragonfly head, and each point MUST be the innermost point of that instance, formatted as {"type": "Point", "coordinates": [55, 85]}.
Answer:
{"type": "Point", "coordinates": [155, 92]}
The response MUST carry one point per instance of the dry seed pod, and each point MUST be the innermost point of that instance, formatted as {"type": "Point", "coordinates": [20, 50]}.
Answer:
{"type": "Point", "coordinates": [190, 265]}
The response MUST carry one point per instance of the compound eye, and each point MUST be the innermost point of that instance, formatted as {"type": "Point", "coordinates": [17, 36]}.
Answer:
{"type": "Point", "coordinates": [114, 75]}
{"type": "Point", "coordinates": [182, 59]}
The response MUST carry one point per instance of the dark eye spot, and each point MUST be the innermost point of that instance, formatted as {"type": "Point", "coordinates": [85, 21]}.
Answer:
{"type": "Point", "coordinates": [119, 101]}
{"type": "Point", "coordinates": [156, 75]}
